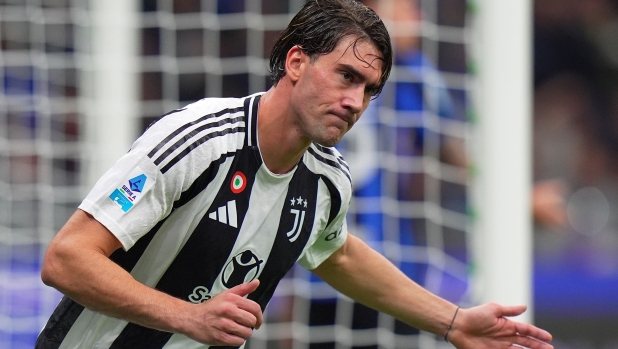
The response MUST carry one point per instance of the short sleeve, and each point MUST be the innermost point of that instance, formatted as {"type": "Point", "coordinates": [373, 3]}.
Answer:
{"type": "Point", "coordinates": [138, 191]}
{"type": "Point", "coordinates": [327, 242]}
{"type": "Point", "coordinates": [129, 199]}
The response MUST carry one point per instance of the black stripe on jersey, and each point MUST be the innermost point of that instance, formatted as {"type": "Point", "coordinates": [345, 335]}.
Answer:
{"type": "Point", "coordinates": [335, 199]}
{"type": "Point", "coordinates": [330, 162]}
{"type": "Point", "coordinates": [202, 257]}
{"type": "Point", "coordinates": [189, 124]}
{"type": "Point", "coordinates": [202, 181]}
{"type": "Point", "coordinates": [59, 324]}
{"type": "Point", "coordinates": [197, 143]}
{"type": "Point", "coordinates": [332, 153]}
{"type": "Point", "coordinates": [284, 252]}
{"type": "Point", "coordinates": [128, 259]}
{"type": "Point", "coordinates": [188, 136]}
{"type": "Point", "coordinates": [251, 106]}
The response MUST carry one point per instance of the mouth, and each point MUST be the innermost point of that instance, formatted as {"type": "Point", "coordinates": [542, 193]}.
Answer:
{"type": "Point", "coordinates": [347, 117]}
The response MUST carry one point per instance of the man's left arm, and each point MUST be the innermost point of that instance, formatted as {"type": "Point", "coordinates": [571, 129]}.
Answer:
{"type": "Point", "coordinates": [363, 274]}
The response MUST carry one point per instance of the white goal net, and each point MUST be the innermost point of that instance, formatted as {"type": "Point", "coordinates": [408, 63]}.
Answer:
{"type": "Point", "coordinates": [40, 153]}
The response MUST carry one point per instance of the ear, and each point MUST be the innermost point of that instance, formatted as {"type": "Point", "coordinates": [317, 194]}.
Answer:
{"type": "Point", "coordinates": [294, 63]}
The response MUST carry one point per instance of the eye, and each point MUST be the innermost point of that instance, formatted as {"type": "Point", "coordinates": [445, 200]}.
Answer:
{"type": "Point", "coordinates": [372, 90]}
{"type": "Point", "coordinates": [347, 76]}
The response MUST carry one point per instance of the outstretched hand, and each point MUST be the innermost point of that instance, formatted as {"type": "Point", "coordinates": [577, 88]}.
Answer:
{"type": "Point", "coordinates": [227, 318]}
{"type": "Point", "coordinates": [486, 327]}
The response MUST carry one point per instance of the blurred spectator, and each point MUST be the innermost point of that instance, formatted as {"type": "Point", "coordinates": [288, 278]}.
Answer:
{"type": "Point", "coordinates": [576, 151]}
{"type": "Point", "coordinates": [575, 95]}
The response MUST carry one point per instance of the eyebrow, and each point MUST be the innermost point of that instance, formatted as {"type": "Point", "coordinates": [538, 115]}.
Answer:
{"type": "Point", "coordinates": [357, 74]}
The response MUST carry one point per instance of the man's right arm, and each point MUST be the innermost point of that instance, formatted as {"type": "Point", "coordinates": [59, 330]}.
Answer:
{"type": "Point", "coordinates": [77, 264]}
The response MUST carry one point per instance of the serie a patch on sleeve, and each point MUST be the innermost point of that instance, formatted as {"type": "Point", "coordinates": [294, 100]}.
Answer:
{"type": "Point", "coordinates": [132, 189]}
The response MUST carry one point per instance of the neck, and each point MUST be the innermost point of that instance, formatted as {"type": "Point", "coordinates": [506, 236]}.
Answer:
{"type": "Point", "coordinates": [281, 144]}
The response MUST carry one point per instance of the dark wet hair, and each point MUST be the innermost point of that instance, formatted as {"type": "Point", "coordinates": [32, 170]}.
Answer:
{"type": "Point", "coordinates": [321, 24]}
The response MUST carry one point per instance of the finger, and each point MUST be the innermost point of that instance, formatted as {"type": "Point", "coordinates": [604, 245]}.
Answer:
{"type": "Point", "coordinates": [528, 330]}
{"type": "Point", "coordinates": [244, 313]}
{"type": "Point", "coordinates": [253, 316]}
{"type": "Point", "coordinates": [228, 339]}
{"type": "Point", "coordinates": [233, 328]}
{"type": "Point", "coordinates": [244, 289]}
{"type": "Point", "coordinates": [512, 310]}
{"type": "Point", "coordinates": [531, 343]}
{"type": "Point", "coordinates": [253, 309]}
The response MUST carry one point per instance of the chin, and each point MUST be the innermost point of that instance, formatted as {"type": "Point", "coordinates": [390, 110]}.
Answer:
{"type": "Point", "coordinates": [329, 139]}
{"type": "Point", "coordinates": [327, 142]}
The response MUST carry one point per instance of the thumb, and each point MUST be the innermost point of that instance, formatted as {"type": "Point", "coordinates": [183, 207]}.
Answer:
{"type": "Point", "coordinates": [513, 310]}
{"type": "Point", "coordinates": [244, 289]}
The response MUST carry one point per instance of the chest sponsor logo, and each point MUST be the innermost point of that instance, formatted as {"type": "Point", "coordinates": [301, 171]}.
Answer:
{"type": "Point", "coordinates": [300, 205]}
{"type": "Point", "coordinates": [242, 268]}
{"type": "Point", "coordinates": [133, 188]}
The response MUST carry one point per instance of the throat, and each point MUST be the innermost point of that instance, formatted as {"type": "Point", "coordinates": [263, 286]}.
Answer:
{"type": "Point", "coordinates": [281, 148]}
{"type": "Point", "coordinates": [281, 144]}
{"type": "Point", "coordinates": [279, 161]}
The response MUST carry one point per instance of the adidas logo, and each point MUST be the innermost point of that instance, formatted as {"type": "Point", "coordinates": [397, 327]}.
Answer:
{"type": "Point", "coordinates": [226, 214]}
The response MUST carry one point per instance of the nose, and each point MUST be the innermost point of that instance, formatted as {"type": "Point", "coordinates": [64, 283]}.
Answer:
{"type": "Point", "coordinates": [355, 99]}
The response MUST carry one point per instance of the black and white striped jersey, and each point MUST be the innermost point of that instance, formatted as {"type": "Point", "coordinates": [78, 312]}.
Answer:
{"type": "Point", "coordinates": [197, 212]}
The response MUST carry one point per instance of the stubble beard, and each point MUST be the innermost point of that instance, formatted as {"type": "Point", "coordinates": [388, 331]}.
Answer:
{"type": "Point", "coordinates": [328, 140]}
{"type": "Point", "coordinates": [327, 144]}
{"type": "Point", "coordinates": [321, 132]}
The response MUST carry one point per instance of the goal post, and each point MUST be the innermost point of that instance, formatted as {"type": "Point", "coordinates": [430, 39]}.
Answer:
{"type": "Point", "coordinates": [501, 151]}
{"type": "Point", "coordinates": [110, 83]}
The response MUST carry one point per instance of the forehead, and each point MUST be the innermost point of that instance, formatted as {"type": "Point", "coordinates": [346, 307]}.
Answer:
{"type": "Point", "coordinates": [361, 53]}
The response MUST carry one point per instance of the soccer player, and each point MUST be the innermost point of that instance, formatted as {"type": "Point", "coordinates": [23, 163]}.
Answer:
{"type": "Point", "coordinates": [183, 241]}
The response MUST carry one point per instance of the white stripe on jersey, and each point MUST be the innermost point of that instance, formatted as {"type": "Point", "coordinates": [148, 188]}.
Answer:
{"type": "Point", "coordinates": [250, 125]}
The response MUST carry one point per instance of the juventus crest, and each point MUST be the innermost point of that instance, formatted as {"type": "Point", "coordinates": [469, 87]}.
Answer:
{"type": "Point", "coordinates": [299, 217]}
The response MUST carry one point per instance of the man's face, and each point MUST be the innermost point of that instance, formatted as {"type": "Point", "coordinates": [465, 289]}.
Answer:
{"type": "Point", "coordinates": [331, 92]}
